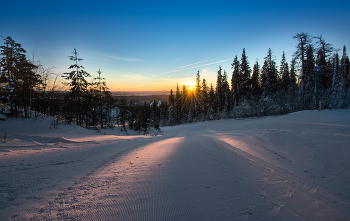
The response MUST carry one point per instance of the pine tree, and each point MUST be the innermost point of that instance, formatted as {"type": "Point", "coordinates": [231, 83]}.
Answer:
{"type": "Point", "coordinates": [244, 79]}
{"type": "Point", "coordinates": [308, 78]}
{"type": "Point", "coordinates": [235, 80]}
{"type": "Point", "coordinates": [108, 107]}
{"type": "Point", "coordinates": [204, 97]}
{"type": "Point", "coordinates": [293, 77]}
{"type": "Point", "coordinates": [28, 84]}
{"type": "Point", "coordinates": [197, 97]}
{"type": "Point", "coordinates": [226, 93]}
{"type": "Point", "coordinates": [171, 98]}
{"type": "Point", "coordinates": [269, 75]}
{"type": "Point", "coordinates": [154, 114]}
{"type": "Point", "coordinates": [124, 114]}
{"type": "Point", "coordinates": [198, 83]}
{"type": "Point", "coordinates": [219, 93]}
{"type": "Point", "coordinates": [145, 119]}
{"type": "Point", "coordinates": [212, 101]}
{"type": "Point", "coordinates": [77, 83]}
{"type": "Point", "coordinates": [338, 86]}
{"type": "Point", "coordinates": [185, 109]}
{"type": "Point", "coordinates": [254, 81]}
{"type": "Point", "coordinates": [324, 50]}
{"type": "Point", "coordinates": [12, 55]}
{"type": "Point", "coordinates": [303, 40]}
{"type": "Point", "coordinates": [284, 73]}
{"type": "Point", "coordinates": [337, 81]}
{"type": "Point", "coordinates": [99, 87]}
{"type": "Point", "coordinates": [178, 104]}
{"type": "Point", "coordinates": [344, 68]}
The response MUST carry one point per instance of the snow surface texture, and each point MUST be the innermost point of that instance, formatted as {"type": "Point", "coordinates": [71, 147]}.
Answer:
{"type": "Point", "coordinates": [292, 167]}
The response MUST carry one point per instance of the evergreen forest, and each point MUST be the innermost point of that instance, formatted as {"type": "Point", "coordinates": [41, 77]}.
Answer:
{"type": "Point", "coordinates": [317, 77]}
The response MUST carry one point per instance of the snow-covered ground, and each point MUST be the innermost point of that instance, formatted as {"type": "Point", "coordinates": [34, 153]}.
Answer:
{"type": "Point", "coordinates": [292, 167]}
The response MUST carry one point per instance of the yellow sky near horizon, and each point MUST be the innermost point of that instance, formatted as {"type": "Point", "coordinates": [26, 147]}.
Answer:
{"type": "Point", "coordinates": [149, 86]}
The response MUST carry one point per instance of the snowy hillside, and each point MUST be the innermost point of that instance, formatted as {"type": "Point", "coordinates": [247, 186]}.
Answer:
{"type": "Point", "coordinates": [291, 167]}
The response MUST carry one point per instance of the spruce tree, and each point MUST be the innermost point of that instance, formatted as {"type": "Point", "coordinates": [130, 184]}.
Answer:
{"type": "Point", "coordinates": [197, 97]}
{"type": "Point", "coordinates": [99, 87]}
{"type": "Point", "coordinates": [254, 81]}
{"type": "Point", "coordinates": [338, 85]}
{"type": "Point", "coordinates": [219, 93]}
{"type": "Point", "coordinates": [344, 68]}
{"type": "Point", "coordinates": [293, 77]}
{"type": "Point", "coordinates": [185, 104]}
{"type": "Point", "coordinates": [12, 55]}
{"type": "Point", "coordinates": [171, 112]}
{"type": "Point", "coordinates": [198, 83]}
{"type": "Point", "coordinates": [284, 73]}
{"type": "Point", "coordinates": [204, 97]}
{"type": "Point", "coordinates": [145, 118]}
{"type": "Point", "coordinates": [308, 78]}
{"type": "Point", "coordinates": [235, 80]}
{"type": "Point", "coordinates": [244, 79]}
{"type": "Point", "coordinates": [337, 78]}
{"type": "Point", "coordinates": [226, 93]}
{"type": "Point", "coordinates": [269, 75]}
{"type": "Point", "coordinates": [212, 101]}
{"type": "Point", "coordinates": [78, 85]}
{"type": "Point", "coordinates": [27, 86]}
{"type": "Point", "coordinates": [171, 98]}
{"type": "Point", "coordinates": [178, 105]}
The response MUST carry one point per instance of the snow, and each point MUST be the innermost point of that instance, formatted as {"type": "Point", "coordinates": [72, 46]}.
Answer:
{"type": "Point", "coordinates": [291, 167]}
{"type": "Point", "coordinates": [2, 117]}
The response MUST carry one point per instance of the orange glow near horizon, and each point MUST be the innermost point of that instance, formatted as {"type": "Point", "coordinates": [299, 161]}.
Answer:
{"type": "Point", "coordinates": [125, 87]}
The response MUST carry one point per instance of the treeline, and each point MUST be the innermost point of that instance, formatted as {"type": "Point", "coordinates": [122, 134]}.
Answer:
{"type": "Point", "coordinates": [316, 76]}
{"type": "Point", "coordinates": [28, 88]}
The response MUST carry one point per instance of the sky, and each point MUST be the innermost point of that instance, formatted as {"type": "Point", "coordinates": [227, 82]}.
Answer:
{"type": "Point", "coordinates": [153, 45]}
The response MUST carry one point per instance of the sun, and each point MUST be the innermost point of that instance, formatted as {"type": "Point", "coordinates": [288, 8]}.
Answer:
{"type": "Point", "coordinates": [191, 88]}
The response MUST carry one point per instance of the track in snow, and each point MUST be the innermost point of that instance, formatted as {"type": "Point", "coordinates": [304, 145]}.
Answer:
{"type": "Point", "coordinates": [235, 172]}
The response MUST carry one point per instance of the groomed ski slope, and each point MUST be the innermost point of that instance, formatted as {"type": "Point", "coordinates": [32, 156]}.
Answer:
{"type": "Point", "coordinates": [292, 167]}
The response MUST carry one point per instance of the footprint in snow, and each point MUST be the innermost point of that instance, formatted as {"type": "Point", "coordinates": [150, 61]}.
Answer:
{"type": "Point", "coordinates": [275, 209]}
{"type": "Point", "coordinates": [262, 193]}
{"type": "Point", "coordinates": [313, 190]}
{"type": "Point", "coordinates": [287, 193]}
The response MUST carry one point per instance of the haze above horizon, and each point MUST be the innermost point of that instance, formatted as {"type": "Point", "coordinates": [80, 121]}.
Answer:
{"type": "Point", "coordinates": [153, 45]}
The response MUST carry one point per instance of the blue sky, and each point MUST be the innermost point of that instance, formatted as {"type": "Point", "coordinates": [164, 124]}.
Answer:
{"type": "Point", "coordinates": [152, 45]}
